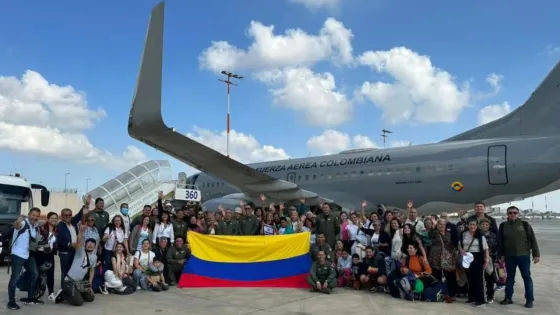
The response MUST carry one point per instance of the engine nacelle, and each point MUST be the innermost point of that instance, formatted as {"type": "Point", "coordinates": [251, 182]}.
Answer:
{"type": "Point", "coordinates": [230, 201]}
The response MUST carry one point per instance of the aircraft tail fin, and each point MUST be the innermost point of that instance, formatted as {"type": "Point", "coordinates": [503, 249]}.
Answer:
{"type": "Point", "coordinates": [146, 103]}
{"type": "Point", "coordinates": [538, 116]}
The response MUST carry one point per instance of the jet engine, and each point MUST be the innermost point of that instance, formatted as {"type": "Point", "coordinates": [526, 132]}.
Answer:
{"type": "Point", "coordinates": [230, 201]}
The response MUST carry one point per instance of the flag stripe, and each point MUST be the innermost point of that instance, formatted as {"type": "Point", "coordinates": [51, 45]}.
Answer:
{"type": "Point", "coordinates": [259, 271]}
{"type": "Point", "coordinates": [243, 249]}
{"type": "Point", "coordinates": [196, 281]}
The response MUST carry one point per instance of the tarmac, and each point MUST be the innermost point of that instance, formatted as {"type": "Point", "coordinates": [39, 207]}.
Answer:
{"type": "Point", "coordinates": [302, 302]}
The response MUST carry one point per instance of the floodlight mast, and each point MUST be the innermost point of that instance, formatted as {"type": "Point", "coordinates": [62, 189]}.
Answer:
{"type": "Point", "coordinates": [229, 84]}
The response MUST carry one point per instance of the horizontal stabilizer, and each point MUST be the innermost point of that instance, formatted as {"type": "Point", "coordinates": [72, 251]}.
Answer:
{"type": "Point", "coordinates": [146, 124]}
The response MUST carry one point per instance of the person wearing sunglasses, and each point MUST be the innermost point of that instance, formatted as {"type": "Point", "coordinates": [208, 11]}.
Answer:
{"type": "Point", "coordinates": [516, 243]}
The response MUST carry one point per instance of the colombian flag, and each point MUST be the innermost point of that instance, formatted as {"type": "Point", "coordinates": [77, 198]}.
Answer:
{"type": "Point", "coordinates": [280, 261]}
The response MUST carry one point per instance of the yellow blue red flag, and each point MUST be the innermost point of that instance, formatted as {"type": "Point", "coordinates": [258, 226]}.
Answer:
{"type": "Point", "coordinates": [247, 261]}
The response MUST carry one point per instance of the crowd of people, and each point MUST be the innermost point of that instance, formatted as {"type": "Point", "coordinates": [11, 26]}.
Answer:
{"type": "Point", "coordinates": [384, 251]}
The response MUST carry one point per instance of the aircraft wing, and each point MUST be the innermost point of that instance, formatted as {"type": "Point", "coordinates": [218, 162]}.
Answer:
{"type": "Point", "coordinates": [146, 124]}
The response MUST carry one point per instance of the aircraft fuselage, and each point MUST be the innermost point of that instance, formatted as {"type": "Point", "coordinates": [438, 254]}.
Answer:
{"type": "Point", "coordinates": [438, 177]}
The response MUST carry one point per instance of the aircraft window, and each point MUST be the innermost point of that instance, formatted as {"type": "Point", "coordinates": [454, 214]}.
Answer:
{"type": "Point", "coordinates": [389, 171]}
{"type": "Point", "coordinates": [353, 174]}
{"type": "Point", "coordinates": [370, 173]}
{"type": "Point", "coordinates": [306, 177]}
{"type": "Point", "coordinates": [399, 170]}
{"type": "Point", "coordinates": [440, 168]}
{"type": "Point", "coordinates": [202, 185]}
{"type": "Point", "coordinates": [329, 176]}
{"type": "Point", "coordinates": [362, 172]}
{"type": "Point", "coordinates": [212, 185]}
{"type": "Point", "coordinates": [345, 174]}
{"type": "Point", "coordinates": [418, 169]}
{"type": "Point", "coordinates": [450, 167]}
{"type": "Point", "coordinates": [314, 177]}
{"type": "Point", "coordinates": [379, 172]}
{"type": "Point", "coordinates": [322, 175]}
{"type": "Point", "coordinates": [337, 175]}
{"type": "Point", "coordinates": [407, 170]}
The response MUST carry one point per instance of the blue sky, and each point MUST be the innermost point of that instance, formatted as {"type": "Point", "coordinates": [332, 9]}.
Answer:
{"type": "Point", "coordinates": [303, 93]}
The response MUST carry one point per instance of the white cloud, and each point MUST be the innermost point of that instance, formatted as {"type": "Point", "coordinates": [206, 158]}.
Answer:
{"type": "Point", "coordinates": [333, 141]}
{"type": "Point", "coordinates": [552, 50]}
{"type": "Point", "coordinates": [495, 81]}
{"type": "Point", "coordinates": [313, 94]}
{"type": "Point", "coordinates": [318, 4]}
{"type": "Point", "coordinates": [243, 148]}
{"type": "Point", "coordinates": [420, 91]}
{"type": "Point", "coordinates": [270, 51]}
{"type": "Point", "coordinates": [492, 112]}
{"type": "Point", "coordinates": [43, 118]}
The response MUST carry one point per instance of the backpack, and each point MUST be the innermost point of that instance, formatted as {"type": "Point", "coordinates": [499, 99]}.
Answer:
{"type": "Point", "coordinates": [434, 293]}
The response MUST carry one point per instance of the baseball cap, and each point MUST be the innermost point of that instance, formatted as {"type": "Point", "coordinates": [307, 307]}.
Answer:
{"type": "Point", "coordinates": [238, 210]}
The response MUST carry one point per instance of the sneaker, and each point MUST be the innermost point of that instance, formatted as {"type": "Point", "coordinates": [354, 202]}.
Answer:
{"type": "Point", "coordinates": [469, 302]}
{"type": "Point", "coordinates": [500, 287]}
{"type": "Point", "coordinates": [489, 301]}
{"type": "Point", "coordinates": [55, 296]}
{"type": "Point", "coordinates": [103, 289]}
{"type": "Point", "coordinates": [12, 305]}
{"type": "Point", "coordinates": [478, 304]}
{"type": "Point", "coordinates": [506, 301]}
{"type": "Point", "coordinates": [529, 305]}
{"type": "Point", "coordinates": [52, 297]}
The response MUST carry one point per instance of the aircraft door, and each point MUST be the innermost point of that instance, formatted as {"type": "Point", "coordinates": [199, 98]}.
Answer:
{"type": "Point", "coordinates": [291, 177]}
{"type": "Point", "coordinates": [497, 165]}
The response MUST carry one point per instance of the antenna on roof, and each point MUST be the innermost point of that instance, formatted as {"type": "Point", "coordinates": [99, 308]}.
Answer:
{"type": "Point", "coordinates": [384, 135]}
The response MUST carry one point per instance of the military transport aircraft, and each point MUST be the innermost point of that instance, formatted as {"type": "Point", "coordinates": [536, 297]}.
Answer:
{"type": "Point", "coordinates": [511, 158]}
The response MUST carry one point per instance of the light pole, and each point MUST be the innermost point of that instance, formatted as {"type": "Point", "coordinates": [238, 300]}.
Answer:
{"type": "Point", "coordinates": [229, 83]}
{"type": "Point", "coordinates": [87, 184]}
{"type": "Point", "coordinates": [65, 180]}
{"type": "Point", "coordinates": [384, 135]}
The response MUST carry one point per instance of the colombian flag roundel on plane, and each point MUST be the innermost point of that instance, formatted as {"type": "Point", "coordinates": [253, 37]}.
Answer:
{"type": "Point", "coordinates": [457, 186]}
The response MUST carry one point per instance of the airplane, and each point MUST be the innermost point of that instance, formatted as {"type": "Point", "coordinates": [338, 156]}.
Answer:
{"type": "Point", "coordinates": [512, 158]}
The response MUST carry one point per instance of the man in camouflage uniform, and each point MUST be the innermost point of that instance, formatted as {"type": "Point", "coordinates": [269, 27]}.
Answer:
{"type": "Point", "coordinates": [322, 276]}
{"type": "Point", "coordinates": [321, 245]}
{"type": "Point", "coordinates": [227, 226]}
{"type": "Point", "coordinates": [328, 224]}
{"type": "Point", "coordinates": [248, 222]}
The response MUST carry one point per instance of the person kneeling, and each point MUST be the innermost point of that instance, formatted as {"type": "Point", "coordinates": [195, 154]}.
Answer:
{"type": "Point", "coordinates": [322, 277]}
{"type": "Point", "coordinates": [154, 275]}
{"type": "Point", "coordinates": [75, 290]}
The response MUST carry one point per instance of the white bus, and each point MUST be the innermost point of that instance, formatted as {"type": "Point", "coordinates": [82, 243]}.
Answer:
{"type": "Point", "coordinates": [15, 198]}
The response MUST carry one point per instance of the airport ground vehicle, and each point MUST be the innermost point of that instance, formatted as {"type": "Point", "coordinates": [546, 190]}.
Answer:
{"type": "Point", "coordinates": [16, 197]}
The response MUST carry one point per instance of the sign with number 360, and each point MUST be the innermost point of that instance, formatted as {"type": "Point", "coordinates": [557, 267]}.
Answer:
{"type": "Point", "coordinates": [187, 194]}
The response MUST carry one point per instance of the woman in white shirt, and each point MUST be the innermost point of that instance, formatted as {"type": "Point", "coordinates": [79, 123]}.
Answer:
{"type": "Point", "coordinates": [163, 228]}
{"type": "Point", "coordinates": [142, 261]}
{"type": "Point", "coordinates": [473, 247]}
{"type": "Point", "coordinates": [114, 233]}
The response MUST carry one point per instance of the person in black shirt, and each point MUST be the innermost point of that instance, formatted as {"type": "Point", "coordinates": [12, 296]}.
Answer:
{"type": "Point", "coordinates": [358, 268]}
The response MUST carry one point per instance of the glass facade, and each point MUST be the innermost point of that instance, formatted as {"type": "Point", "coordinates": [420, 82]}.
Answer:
{"type": "Point", "coordinates": [141, 177]}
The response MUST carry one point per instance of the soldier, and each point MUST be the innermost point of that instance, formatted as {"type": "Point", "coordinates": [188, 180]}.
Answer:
{"type": "Point", "coordinates": [328, 224]}
{"type": "Point", "coordinates": [248, 223]}
{"type": "Point", "coordinates": [179, 224]}
{"type": "Point", "coordinates": [322, 276]}
{"type": "Point", "coordinates": [321, 245]}
{"type": "Point", "coordinates": [227, 226]}
{"type": "Point", "coordinates": [176, 258]}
